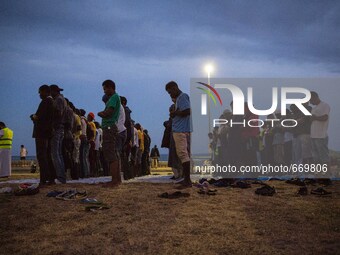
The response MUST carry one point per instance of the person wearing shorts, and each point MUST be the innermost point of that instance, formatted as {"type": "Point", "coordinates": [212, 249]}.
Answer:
{"type": "Point", "coordinates": [181, 128]}
{"type": "Point", "coordinates": [110, 117]}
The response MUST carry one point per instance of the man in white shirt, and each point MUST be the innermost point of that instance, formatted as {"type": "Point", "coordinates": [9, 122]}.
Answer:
{"type": "Point", "coordinates": [319, 128]}
{"type": "Point", "coordinates": [121, 134]}
{"type": "Point", "coordinates": [23, 152]}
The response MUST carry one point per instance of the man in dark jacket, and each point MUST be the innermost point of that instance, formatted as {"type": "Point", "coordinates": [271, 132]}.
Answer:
{"type": "Point", "coordinates": [145, 155]}
{"type": "Point", "coordinates": [155, 156]}
{"type": "Point", "coordinates": [42, 132]}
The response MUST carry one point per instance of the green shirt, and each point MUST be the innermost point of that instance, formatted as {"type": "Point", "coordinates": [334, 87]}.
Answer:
{"type": "Point", "coordinates": [114, 103]}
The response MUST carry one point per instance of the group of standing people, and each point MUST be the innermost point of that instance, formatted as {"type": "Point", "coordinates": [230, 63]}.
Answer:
{"type": "Point", "coordinates": [66, 139]}
{"type": "Point", "coordinates": [306, 143]}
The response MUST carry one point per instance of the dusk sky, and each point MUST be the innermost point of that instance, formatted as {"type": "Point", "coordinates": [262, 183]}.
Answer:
{"type": "Point", "coordinates": [142, 45]}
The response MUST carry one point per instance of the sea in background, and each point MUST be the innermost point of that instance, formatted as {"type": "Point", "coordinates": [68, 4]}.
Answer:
{"type": "Point", "coordinates": [30, 158]}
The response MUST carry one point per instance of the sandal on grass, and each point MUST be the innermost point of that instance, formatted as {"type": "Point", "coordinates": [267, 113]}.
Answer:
{"type": "Point", "coordinates": [173, 195]}
{"type": "Point", "coordinates": [67, 195]}
{"type": "Point", "coordinates": [320, 192]}
{"type": "Point", "coordinates": [81, 195]}
{"type": "Point", "coordinates": [241, 185]}
{"type": "Point", "coordinates": [92, 201]}
{"type": "Point", "coordinates": [296, 181]}
{"type": "Point", "coordinates": [265, 191]}
{"type": "Point", "coordinates": [54, 193]}
{"type": "Point", "coordinates": [210, 192]}
{"type": "Point", "coordinates": [93, 208]}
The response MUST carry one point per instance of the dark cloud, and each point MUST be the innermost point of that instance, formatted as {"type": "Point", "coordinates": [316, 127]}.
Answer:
{"type": "Point", "coordinates": [297, 31]}
{"type": "Point", "coordinates": [144, 44]}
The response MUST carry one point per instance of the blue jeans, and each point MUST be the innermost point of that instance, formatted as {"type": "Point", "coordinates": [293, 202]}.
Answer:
{"type": "Point", "coordinates": [57, 155]}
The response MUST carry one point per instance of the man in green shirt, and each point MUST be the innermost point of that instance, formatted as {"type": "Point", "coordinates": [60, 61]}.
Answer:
{"type": "Point", "coordinates": [110, 132]}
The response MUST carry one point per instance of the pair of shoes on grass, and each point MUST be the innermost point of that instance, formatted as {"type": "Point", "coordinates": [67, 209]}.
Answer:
{"type": "Point", "coordinates": [210, 192]}
{"type": "Point", "coordinates": [303, 191]}
{"type": "Point", "coordinates": [241, 185]}
{"type": "Point", "coordinates": [93, 204]}
{"type": "Point", "coordinates": [296, 181]}
{"type": "Point", "coordinates": [265, 190]}
{"type": "Point", "coordinates": [174, 195]}
{"type": "Point", "coordinates": [92, 201]}
{"type": "Point", "coordinates": [71, 195]}
{"type": "Point", "coordinates": [93, 208]}
{"type": "Point", "coordinates": [25, 189]}
{"type": "Point", "coordinates": [321, 192]}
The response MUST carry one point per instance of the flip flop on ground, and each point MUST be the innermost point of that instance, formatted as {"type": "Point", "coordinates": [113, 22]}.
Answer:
{"type": "Point", "coordinates": [173, 195]}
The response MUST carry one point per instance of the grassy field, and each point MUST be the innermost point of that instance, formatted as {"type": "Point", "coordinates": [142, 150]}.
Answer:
{"type": "Point", "coordinates": [234, 221]}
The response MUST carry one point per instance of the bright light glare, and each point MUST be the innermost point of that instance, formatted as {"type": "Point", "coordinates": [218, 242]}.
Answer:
{"type": "Point", "coordinates": [209, 68]}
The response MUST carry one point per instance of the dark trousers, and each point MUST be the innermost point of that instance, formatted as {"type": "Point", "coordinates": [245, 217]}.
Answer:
{"type": "Point", "coordinates": [288, 154]}
{"type": "Point", "coordinates": [43, 150]}
{"type": "Point", "coordinates": [84, 159]}
{"type": "Point", "coordinates": [125, 165]}
{"type": "Point", "coordinates": [93, 160]}
{"type": "Point", "coordinates": [57, 155]}
{"type": "Point", "coordinates": [68, 147]}
{"type": "Point", "coordinates": [103, 163]}
{"type": "Point", "coordinates": [249, 157]}
{"type": "Point", "coordinates": [145, 163]}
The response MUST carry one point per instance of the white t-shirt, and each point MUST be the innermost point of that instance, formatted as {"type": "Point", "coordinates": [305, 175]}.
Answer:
{"type": "Point", "coordinates": [23, 152]}
{"type": "Point", "coordinates": [319, 128]}
{"type": "Point", "coordinates": [121, 120]}
{"type": "Point", "coordinates": [99, 139]}
{"type": "Point", "coordinates": [83, 125]}
{"type": "Point", "coordinates": [135, 135]}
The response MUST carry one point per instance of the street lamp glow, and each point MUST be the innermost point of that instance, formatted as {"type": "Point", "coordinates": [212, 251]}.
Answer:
{"type": "Point", "coordinates": [209, 68]}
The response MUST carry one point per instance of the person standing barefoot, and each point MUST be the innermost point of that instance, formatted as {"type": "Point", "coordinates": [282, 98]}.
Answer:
{"type": "Point", "coordinates": [110, 132]}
